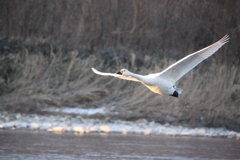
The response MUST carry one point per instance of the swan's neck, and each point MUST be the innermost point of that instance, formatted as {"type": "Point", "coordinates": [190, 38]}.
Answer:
{"type": "Point", "coordinates": [137, 76]}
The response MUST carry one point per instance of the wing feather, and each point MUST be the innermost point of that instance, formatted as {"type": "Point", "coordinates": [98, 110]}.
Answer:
{"type": "Point", "coordinates": [181, 67]}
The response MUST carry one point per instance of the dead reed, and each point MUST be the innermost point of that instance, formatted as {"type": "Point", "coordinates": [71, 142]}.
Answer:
{"type": "Point", "coordinates": [63, 78]}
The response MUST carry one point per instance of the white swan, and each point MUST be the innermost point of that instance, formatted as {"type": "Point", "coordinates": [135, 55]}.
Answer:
{"type": "Point", "coordinates": [164, 82]}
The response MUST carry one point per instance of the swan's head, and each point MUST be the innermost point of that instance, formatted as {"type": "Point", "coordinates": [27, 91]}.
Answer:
{"type": "Point", "coordinates": [124, 72]}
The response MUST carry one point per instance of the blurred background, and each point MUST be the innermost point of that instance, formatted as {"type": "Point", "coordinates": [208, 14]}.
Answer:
{"type": "Point", "coordinates": [47, 50]}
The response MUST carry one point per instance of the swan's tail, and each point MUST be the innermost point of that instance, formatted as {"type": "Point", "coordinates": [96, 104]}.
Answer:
{"type": "Point", "coordinates": [177, 92]}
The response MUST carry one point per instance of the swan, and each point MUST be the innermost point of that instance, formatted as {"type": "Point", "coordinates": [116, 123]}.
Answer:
{"type": "Point", "coordinates": [163, 83]}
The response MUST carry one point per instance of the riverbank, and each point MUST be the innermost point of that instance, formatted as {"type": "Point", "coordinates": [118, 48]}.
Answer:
{"type": "Point", "coordinates": [67, 123]}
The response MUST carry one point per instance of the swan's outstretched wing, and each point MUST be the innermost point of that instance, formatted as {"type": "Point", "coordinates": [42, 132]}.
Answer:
{"type": "Point", "coordinates": [115, 75]}
{"type": "Point", "coordinates": [181, 67]}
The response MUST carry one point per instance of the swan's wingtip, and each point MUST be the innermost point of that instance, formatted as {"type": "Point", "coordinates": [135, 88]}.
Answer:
{"type": "Point", "coordinates": [94, 70]}
{"type": "Point", "coordinates": [225, 39]}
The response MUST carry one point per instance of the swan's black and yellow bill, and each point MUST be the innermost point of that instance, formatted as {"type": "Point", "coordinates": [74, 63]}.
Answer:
{"type": "Point", "coordinates": [120, 72]}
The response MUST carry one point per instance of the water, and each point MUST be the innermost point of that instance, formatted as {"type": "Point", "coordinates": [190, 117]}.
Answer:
{"type": "Point", "coordinates": [40, 145]}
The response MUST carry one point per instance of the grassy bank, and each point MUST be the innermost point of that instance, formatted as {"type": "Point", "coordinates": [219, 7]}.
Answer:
{"type": "Point", "coordinates": [37, 76]}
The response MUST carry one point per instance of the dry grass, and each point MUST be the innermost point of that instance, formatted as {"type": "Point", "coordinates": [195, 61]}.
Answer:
{"type": "Point", "coordinates": [144, 36]}
{"type": "Point", "coordinates": [64, 79]}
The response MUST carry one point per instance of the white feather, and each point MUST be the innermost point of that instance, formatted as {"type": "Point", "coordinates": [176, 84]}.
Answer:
{"type": "Point", "coordinates": [181, 67]}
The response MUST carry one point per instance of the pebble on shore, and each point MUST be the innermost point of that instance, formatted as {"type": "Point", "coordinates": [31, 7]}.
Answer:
{"type": "Point", "coordinates": [105, 129]}
{"type": "Point", "coordinates": [34, 126]}
{"type": "Point", "coordinates": [78, 129]}
{"type": "Point", "coordinates": [124, 133]}
{"type": "Point", "coordinates": [55, 129]}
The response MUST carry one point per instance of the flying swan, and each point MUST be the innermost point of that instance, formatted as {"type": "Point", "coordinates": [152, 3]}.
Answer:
{"type": "Point", "coordinates": [163, 83]}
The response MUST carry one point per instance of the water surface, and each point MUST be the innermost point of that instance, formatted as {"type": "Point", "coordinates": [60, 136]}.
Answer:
{"type": "Point", "coordinates": [40, 145]}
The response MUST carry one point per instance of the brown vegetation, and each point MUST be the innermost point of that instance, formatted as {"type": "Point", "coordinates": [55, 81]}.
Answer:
{"type": "Point", "coordinates": [48, 48]}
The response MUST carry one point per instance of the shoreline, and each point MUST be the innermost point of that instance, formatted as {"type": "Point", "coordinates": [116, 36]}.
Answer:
{"type": "Point", "coordinates": [57, 123]}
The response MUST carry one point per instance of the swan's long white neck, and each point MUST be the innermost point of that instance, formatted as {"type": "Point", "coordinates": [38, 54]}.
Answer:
{"type": "Point", "coordinates": [137, 76]}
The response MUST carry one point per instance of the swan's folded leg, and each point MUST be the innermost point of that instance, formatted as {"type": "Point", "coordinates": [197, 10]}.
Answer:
{"type": "Point", "coordinates": [177, 92]}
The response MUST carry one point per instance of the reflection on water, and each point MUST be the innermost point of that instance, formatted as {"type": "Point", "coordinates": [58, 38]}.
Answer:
{"type": "Point", "coordinates": [64, 146]}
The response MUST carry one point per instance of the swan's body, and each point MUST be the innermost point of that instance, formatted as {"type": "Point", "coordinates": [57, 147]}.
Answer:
{"type": "Point", "coordinates": [164, 82]}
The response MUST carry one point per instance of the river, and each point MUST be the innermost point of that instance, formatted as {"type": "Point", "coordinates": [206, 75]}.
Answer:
{"type": "Point", "coordinates": [42, 145]}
